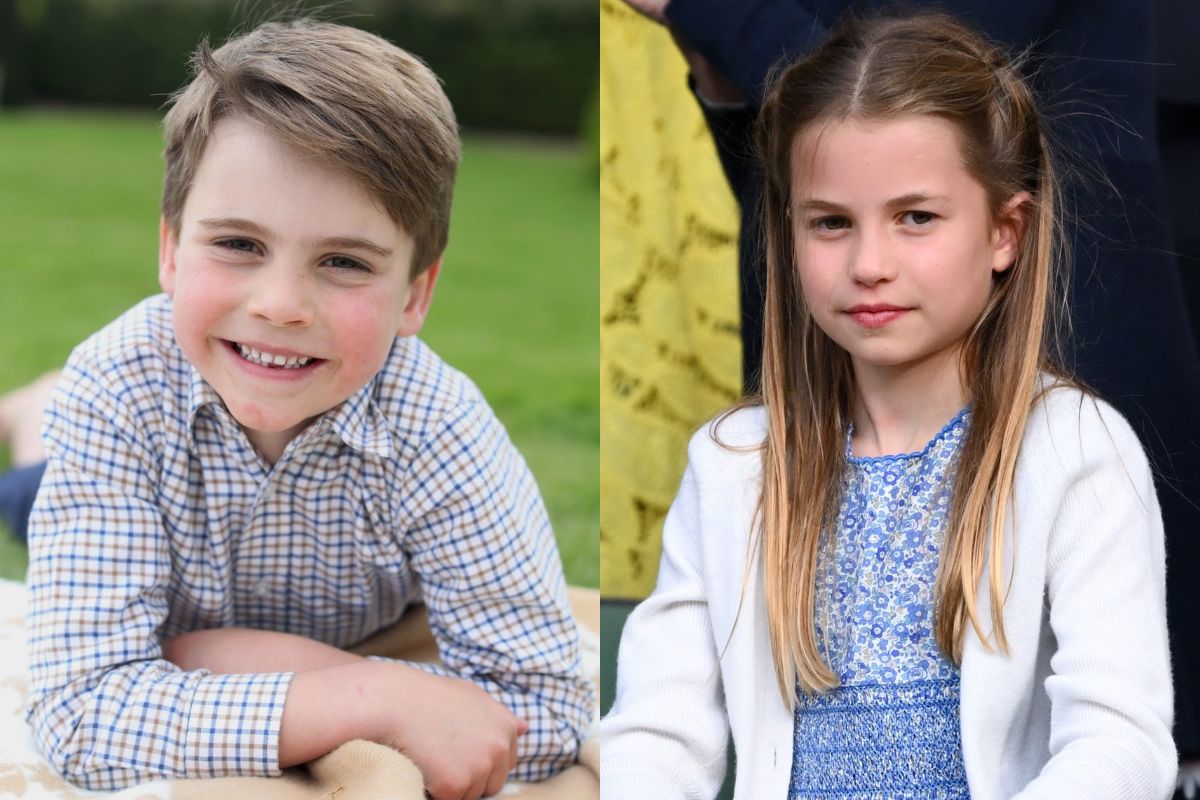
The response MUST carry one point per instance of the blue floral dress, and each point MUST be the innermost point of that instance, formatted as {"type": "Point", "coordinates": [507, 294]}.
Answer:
{"type": "Point", "coordinates": [890, 731]}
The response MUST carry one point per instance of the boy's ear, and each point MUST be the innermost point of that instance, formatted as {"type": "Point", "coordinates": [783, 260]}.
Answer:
{"type": "Point", "coordinates": [420, 295]}
{"type": "Point", "coordinates": [166, 257]}
{"type": "Point", "coordinates": [1009, 230]}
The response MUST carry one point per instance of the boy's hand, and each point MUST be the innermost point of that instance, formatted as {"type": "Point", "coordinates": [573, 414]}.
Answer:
{"type": "Point", "coordinates": [463, 741]}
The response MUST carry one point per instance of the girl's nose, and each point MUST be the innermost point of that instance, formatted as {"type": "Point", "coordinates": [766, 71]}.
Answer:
{"type": "Point", "coordinates": [280, 295]}
{"type": "Point", "coordinates": [871, 259]}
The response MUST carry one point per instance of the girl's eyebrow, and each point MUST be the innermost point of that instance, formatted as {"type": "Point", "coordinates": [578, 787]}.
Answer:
{"type": "Point", "coordinates": [904, 200]}
{"type": "Point", "coordinates": [334, 242]}
{"type": "Point", "coordinates": [813, 204]}
{"type": "Point", "coordinates": [914, 199]}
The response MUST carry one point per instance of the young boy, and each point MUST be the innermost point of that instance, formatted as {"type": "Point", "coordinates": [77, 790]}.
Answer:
{"type": "Point", "coordinates": [264, 465]}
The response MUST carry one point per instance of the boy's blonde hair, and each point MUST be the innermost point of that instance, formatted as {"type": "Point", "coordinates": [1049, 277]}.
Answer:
{"type": "Point", "coordinates": [346, 98]}
{"type": "Point", "coordinates": [879, 68]}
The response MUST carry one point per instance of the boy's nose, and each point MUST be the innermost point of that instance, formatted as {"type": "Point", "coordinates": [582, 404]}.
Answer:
{"type": "Point", "coordinates": [281, 296]}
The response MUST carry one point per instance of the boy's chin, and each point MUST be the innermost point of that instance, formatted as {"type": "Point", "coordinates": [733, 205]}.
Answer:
{"type": "Point", "coordinates": [255, 422]}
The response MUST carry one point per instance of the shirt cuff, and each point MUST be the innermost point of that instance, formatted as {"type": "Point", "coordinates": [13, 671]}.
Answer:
{"type": "Point", "coordinates": [234, 723]}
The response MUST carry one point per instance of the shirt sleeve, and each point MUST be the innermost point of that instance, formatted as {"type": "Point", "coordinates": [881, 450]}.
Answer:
{"type": "Point", "coordinates": [107, 710]}
{"type": "Point", "coordinates": [493, 584]}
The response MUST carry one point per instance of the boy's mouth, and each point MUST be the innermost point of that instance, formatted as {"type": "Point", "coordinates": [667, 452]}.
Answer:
{"type": "Point", "coordinates": [271, 360]}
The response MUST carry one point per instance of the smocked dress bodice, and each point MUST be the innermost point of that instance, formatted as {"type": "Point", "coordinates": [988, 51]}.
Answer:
{"type": "Point", "coordinates": [890, 730]}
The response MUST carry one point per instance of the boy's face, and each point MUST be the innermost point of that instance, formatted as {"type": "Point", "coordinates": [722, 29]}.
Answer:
{"type": "Point", "coordinates": [285, 262]}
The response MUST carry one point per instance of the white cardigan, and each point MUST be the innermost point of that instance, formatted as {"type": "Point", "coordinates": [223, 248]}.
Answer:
{"type": "Point", "coordinates": [1080, 710]}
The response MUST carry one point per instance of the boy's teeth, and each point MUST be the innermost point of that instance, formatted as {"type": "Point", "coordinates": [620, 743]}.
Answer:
{"type": "Point", "coordinates": [271, 359]}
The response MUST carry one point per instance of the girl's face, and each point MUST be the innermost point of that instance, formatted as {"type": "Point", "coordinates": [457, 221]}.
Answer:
{"type": "Point", "coordinates": [895, 243]}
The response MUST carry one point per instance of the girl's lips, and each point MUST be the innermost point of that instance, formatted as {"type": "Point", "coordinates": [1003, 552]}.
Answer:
{"type": "Point", "coordinates": [876, 316]}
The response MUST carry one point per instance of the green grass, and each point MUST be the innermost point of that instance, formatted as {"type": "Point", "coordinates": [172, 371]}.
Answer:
{"type": "Point", "coordinates": [515, 307]}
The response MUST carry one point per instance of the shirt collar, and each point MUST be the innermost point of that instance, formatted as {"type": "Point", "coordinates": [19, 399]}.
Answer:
{"type": "Point", "coordinates": [357, 420]}
{"type": "Point", "coordinates": [200, 394]}
{"type": "Point", "coordinates": [360, 424]}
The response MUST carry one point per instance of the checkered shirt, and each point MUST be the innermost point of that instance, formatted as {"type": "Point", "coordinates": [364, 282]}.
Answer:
{"type": "Point", "coordinates": [157, 517]}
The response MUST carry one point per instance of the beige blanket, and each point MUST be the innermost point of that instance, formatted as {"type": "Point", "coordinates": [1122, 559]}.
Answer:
{"type": "Point", "coordinates": [355, 771]}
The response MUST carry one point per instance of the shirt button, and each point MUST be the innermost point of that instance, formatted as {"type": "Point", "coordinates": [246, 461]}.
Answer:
{"type": "Point", "coordinates": [262, 589]}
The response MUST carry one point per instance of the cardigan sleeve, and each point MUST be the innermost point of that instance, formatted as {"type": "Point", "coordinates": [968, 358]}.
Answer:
{"type": "Point", "coordinates": [666, 734]}
{"type": "Point", "coordinates": [1110, 682]}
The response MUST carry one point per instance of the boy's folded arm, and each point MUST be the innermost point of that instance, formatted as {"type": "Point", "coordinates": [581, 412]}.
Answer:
{"type": "Point", "coordinates": [105, 706]}
{"type": "Point", "coordinates": [240, 650]}
{"type": "Point", "coordinates": [492, 581]}
{"type": "Point", "coordinates": [337, 696]}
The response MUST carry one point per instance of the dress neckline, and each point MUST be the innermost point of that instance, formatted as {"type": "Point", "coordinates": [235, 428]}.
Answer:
{"type": "Point", "coordinates": [957, 421]}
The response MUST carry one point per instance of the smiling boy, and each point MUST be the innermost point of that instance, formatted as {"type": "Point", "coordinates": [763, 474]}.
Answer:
{"type": "Point", "coordinates": [263, 465]}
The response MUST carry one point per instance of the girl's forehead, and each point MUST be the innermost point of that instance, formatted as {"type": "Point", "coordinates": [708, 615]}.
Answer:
{"type": "Point", "coordinates": [857, 158]}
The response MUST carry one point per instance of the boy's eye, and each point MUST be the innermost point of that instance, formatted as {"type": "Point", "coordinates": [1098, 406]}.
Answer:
{"type": "Point", "coordinates": [346, 264]}
{"type": "Point", "coordinates": [240, 245]}
{"type": "Point", "coordinates": [831, 224]}
{"type": "Point", "coordinates": [918, 218]}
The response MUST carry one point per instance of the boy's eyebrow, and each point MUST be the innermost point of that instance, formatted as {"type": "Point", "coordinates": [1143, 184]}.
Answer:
{"type": "Point", "coordinates": [910, 199]}
{"type": "Point", "coordinates": [354, 243]}
{"type": "Point", "coordinates": [335, 242]}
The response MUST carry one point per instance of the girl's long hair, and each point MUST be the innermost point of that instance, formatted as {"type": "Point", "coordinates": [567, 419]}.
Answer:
{"type": "Point", "coordinates": [880, 68]}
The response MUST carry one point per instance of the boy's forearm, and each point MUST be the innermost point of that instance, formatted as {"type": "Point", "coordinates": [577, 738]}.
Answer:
{"type": "Point", "coordinates": [330, 706]}
{"type": "Point", "coordinates": [334, 696]}
{"type": "Point", "coordinates": [243, 650]}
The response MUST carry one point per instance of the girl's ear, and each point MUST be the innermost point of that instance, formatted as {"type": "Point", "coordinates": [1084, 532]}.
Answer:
{"type": "Point", "coordinates": [166, 257]}
{"type": "Point", "coordinates": [1009, 230]}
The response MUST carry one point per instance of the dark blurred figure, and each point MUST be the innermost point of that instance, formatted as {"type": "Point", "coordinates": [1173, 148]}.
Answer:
{"type": "Point", "coordinates": [8, 44]}
{"type": "Point", "coordinates": [1178, 57]}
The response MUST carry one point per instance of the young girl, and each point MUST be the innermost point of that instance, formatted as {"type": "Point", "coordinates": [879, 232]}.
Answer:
{"type": "Point", "coordinates": [927, 565]}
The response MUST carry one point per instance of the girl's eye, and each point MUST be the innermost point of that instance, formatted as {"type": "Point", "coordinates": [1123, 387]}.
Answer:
{"type": "Point", "coordinates": [918, 219]}
{"type": "Point", "coordinates": [831, 224]}
{"type": "Point", "coordinates": [346, 264]}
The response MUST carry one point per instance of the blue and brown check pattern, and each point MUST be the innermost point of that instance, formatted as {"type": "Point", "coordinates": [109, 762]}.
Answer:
{"type": "Point", "coordinates": [158, 517]}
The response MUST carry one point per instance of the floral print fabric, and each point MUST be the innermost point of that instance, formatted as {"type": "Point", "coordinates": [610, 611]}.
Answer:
{"type": "Point", "coordinates": [891, 729]}
{"type": "Point", "coordinates": [875, 582]}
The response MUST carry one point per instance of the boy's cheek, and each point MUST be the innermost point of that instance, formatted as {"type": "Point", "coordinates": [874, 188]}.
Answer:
{"type": "Point", "coordinates": [367, 324]}
{"type": "Point", "coordinates": [364, 340]}
{"type": "Point", "coordinates": [198, 300]}
{"type": "Point", "coordinates": [199, 308]}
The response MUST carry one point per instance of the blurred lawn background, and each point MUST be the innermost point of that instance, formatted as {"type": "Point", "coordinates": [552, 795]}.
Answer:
{"type": "Point", "coordinates": [515, 308]}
